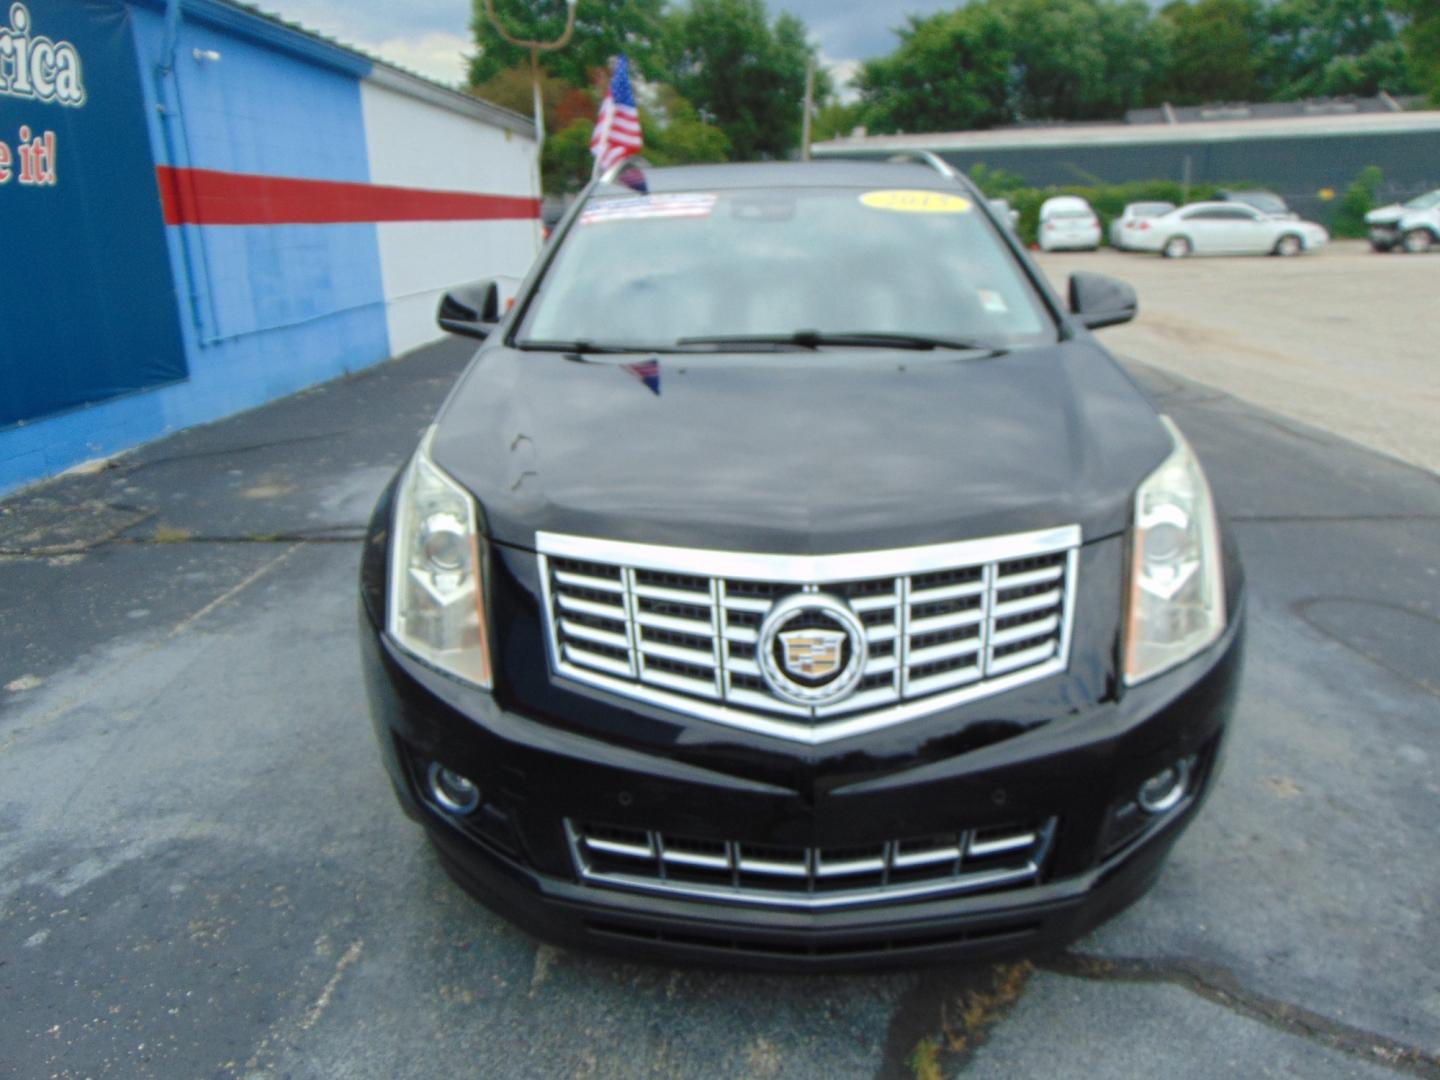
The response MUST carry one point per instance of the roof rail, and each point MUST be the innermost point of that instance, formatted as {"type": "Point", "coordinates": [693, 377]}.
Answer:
{"type": "Point", "coordinates": [920, 157]}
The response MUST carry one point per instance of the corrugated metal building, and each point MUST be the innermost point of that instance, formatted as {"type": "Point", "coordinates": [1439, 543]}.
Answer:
{"type": "Point", "coordinates": [203, 209]}
{"type": "Point", "coordinates": [1298, 155]}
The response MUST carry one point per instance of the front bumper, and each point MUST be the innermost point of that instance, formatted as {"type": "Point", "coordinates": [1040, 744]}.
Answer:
{"type": "Point", "coordinates": [1078, 769]}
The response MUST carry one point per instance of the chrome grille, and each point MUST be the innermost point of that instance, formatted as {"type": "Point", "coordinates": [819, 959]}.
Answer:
{"type": "Point", "coordinates": [966, 860]}
{"type": "Point", "coordinates": [680, 626]}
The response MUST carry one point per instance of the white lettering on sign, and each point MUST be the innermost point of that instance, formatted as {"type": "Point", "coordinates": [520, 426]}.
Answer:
{"type": "Point", "coordinates": [36, 67]}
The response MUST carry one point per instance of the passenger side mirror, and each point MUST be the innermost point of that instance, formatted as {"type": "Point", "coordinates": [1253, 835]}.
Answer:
{"type": "Point", "coordinates": [1102, 301]}
{"type": "Point", "coordinates": [472, 310]}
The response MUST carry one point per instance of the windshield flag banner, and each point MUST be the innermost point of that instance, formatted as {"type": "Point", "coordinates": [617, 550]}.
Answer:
{"type": "Point", "coordinates": [617, 128]}
{"type": "Point", "coordinates": [647, 372]}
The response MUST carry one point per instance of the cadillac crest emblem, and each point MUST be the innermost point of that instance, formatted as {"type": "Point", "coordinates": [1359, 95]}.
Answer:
{"type": "Point", "coordinates": [811, 649]}
{"type": "Point", "coordinates": [812, 654]}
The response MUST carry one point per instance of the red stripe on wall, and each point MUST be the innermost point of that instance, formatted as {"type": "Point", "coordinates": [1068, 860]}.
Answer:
{"type": "Point", "coordinates": [209, 197]}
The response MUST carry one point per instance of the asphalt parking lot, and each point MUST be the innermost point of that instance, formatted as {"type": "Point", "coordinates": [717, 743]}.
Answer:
{"type": "Point", "coordinates": [1343, 339]}
{"type": "Point", "coordinates": [203, 871]}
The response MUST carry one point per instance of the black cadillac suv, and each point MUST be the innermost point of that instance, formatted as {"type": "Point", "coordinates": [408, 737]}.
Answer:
{"type": "Point", "coordinates": [791, 580]}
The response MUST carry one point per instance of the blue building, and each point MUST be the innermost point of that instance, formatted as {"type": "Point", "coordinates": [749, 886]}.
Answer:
{"type": "Point", "coordinates": [203, 209]}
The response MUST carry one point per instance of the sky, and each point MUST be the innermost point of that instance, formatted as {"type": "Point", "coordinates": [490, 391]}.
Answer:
{"type": "Point", "coordinates": [432, 36]}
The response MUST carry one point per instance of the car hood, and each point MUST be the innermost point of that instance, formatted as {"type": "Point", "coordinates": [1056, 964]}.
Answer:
{"type": "Point", "coordinates": [1385, 215]}
{"type": "Point", "coordinates": [797, 452]}
{"type": "Point", "coordinates": [1414, 218]}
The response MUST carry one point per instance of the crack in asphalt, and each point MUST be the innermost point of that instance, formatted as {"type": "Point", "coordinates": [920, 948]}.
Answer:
{"type": "Point", "coordinates": [130, 467]}
{"type": "Point", "coordinates": [938, 1023]}
{"type": "Point", "coordinates": [1221, 986]}
{"type": "Point", "coordinates": [325, 534]}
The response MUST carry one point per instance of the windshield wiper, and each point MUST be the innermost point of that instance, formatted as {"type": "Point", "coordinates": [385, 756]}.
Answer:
{"type": "Point", "coordinates": [583, 348]}
{"type": "Point", "coordinates": [814, 339]}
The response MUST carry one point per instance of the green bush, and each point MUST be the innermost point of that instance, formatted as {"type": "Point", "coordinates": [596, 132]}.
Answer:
{"type": "Point", "coordinates": [1108, 200]}
{"type": "Point", "coordinates": [1359, 199]}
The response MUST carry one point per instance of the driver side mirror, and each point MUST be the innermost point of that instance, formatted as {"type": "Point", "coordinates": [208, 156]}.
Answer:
{"type": "Point", "coordinates": [472, 310]}
{"type": "Point", "coordinates": [1102, 301]}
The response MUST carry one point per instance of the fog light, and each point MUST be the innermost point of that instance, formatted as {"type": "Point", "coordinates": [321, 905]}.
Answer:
{"type": "Point", "coordinates": [1165, 789]}
{"type": "Point", "coordinates": [455, 793]}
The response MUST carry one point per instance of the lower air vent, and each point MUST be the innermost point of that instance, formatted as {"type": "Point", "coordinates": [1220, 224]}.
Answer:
{"type": "Point", "coordinates": [967, 860]}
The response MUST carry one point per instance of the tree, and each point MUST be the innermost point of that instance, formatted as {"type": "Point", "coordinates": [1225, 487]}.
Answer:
{"type": "Point", "coordinates": [512, 89]}
{"type": "Point", "coordinates": [1421, 38]}
{"type": "Point", "coordinates": [675, 134]}
{"type": "Point", "coordinates": [1216, 50]}
{"type": "Point", "coordinates": [603, 29]}
{"type": "Point", "coordinates": [743, 75]}
{"type": "Point", "coordinates": [836, 120]}
{"type": "Point", "coordinates": [1082, 59]}
{"type": "Point", "coordinates": [565, 161]}
{"type": "Point", "coordinates": [950, 72]}
{"type": "Point", "coordinates": [1359, 199]}
{"type": "Point", "coordinates": [1332, 48]}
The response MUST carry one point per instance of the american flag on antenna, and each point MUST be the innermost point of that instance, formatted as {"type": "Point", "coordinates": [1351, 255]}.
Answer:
{"type": "Point", "coordinates": [617, 128]}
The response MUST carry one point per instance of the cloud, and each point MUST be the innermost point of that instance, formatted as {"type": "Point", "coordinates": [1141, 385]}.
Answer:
{"type": "Point", "coordinates": [842, 76]}
{"type": "Point", "coordinates": [430, 36]}
{"type": "Point", "coordinates": [857, 29]}
{"type": "Point", "coordinates": [436, 55]}
{"type": "Point", "coordinates": [353, 21]}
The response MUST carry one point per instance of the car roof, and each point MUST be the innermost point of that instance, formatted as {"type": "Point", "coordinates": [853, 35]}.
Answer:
{"type": "Point", "coordinates": [1214, 204]}
{"type": "Point", "coordinates": [1063, 202]}
{"type": "Point", "coordinates": [791, 174]}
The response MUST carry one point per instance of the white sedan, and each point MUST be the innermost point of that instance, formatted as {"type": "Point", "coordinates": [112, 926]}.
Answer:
{"type": "Point", "coordinates": [1126, 225]}
{"type": "Point", "coordinates": [1067, 222]}
{"type": "Point", "coordinates": [1224, 228]}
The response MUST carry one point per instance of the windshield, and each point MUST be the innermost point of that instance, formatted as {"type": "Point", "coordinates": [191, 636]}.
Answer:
{"type": "Point", "coordinates": [652, 270]}
{"type": "Point", "coordinates": [1266, 204]}
{"type": "Point", "coordinates": [1150, 209]}
{"type": "Point", "coordinates": [1424, 202]}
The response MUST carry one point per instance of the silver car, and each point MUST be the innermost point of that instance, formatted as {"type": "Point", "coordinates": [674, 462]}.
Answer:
{"type": "Point", "coordinates": [1067, 223]}
{"type": "Point", "coordinates": [1227, 228]}
{"type": "Point", "coordinates": [1133, 219]}
{"type": "Point", "coordinates": [1386, 223]}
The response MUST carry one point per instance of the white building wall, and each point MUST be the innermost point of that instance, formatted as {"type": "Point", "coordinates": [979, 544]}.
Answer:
{"type": "Point", "coordinates": [416, 144]}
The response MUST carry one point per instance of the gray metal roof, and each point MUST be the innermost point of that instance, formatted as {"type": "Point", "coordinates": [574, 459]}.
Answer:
{"type": "Point", "coordinates": [1236, 130]}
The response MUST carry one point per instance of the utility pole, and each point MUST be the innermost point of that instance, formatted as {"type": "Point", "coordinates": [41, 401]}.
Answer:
{"type": "Point", "coordinates": [536, 48]}
{"type": "Point", "coordinates": [809, 107]}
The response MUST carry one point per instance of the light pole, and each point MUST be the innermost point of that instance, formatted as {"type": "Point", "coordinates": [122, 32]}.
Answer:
{"type": "Point", "coordinates": [536, 48]}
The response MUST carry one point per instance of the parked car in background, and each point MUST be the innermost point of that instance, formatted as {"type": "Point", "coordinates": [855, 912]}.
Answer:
{"type": "Point", "coordinates": [1227, 228]}
{"type": "Point", "coordinates": [1384, 222]}
{"type": "Point", "coordinates": [1267, 202]}
{"type": "Point", "coordinates": [1067, 222]}
{"type": "Point", "coordinates": [1420, 230]}
{"type": "Point", "coordinates": [1005, 212]}
{"type": "Point", "coordinates": [1135, 218]}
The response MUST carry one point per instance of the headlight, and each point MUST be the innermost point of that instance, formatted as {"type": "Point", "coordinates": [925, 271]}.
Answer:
{"type": "Point", "coordinates": [437, 595]}
{"type": "Point", "coordinates": [1177, 588]}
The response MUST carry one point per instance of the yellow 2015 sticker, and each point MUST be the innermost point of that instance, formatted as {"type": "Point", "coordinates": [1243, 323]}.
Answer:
{"type": "Point", "coordinates": [916, 202]}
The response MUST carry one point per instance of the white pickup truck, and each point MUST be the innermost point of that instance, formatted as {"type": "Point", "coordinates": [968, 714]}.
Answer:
{"type": "Point", "coordinates": [1414, 225]}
